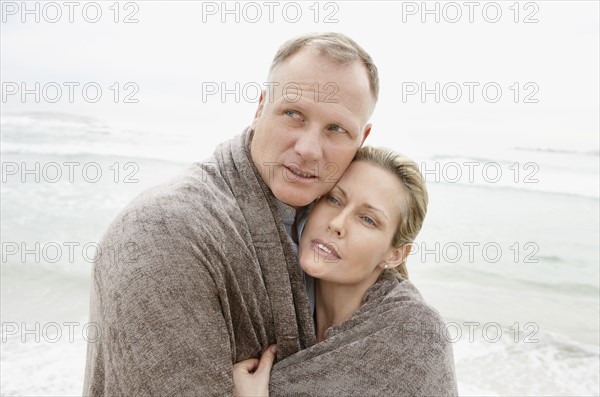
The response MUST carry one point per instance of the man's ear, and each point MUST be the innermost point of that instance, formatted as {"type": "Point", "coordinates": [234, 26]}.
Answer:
{"type": "Point", "coordinates": [366, 134]}
{"type": "Point", "coordinates": [259, 109]}
{"type": "Point", "coordinates": [397, 256]}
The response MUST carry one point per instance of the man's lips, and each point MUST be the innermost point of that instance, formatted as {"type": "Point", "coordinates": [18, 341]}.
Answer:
{"type": "Point", "coordinates": [325, 248]}
{"type": "Point", "coordinates": [300, 173]}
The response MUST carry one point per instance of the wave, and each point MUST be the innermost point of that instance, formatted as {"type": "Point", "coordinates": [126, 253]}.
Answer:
{"type": "Point", "coordinates": [73, 135]}
{"type": "Point", "coordinates": [523, 169]}
{"type": "Point", "coordinates": [558, 151]}
{"type": "Point", "coordinates": [557, 364]}
{"type": "Point", "coordinates": [531, 190]}
{"type": "Point", "coordinates": [570, 174]}
{"type": "Point", "coordinates": [125, 151]}
{"type": "Point", "coordinates": [505, 279]}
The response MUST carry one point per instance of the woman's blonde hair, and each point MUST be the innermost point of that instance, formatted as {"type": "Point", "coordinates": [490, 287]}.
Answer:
{"type": "Point", "coordinates": [415, 208]}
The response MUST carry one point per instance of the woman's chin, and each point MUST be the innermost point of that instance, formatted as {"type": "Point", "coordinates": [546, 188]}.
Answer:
{"type": "Point", "coordinates": [311, 268]}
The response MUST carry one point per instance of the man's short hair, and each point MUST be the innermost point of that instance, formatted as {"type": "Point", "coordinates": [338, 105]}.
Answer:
{"type": "Point", "coordinates": [337, 46]}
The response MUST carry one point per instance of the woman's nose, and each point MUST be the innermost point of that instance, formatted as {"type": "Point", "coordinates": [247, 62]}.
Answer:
{"type": "Point", "coordinates": [336, 225]}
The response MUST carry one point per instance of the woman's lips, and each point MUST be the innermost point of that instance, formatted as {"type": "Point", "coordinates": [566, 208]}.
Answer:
{"type": "Point", "coordinates": [324, 249]}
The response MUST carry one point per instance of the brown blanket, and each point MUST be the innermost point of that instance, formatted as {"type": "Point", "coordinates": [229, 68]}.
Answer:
{"type": "Point", "coordinates": [193, 277]}
{"type": "Point", "coordinates": [394, 345]}
{"type": "Point", "coordinates": [198, 274]}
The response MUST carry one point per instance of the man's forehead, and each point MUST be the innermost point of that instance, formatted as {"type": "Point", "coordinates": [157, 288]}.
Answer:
{"type": "Point", "coordinates": [308, 66]}
{"type": "Point", "coordinates": [310, 75]}
{"type": "Point", "coordinates": [294, 91]}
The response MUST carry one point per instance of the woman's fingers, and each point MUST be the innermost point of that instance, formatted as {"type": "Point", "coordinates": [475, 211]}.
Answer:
{"type": "Point", "coordinates": [247, 366]}
{"type": "Point", "coordinates": [251, 377]}
{"type": "Point", "coordinates": [253, 365]}
{"type": "Point", "coordinates": [267, 359]}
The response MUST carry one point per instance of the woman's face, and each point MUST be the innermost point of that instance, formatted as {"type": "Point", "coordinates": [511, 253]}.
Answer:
{"type": "Point", "coordinates": [348, 236]}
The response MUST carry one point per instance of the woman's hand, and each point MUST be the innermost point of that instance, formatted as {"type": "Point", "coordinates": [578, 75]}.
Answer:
{"type": "Point", "coordinates": [251, 377]}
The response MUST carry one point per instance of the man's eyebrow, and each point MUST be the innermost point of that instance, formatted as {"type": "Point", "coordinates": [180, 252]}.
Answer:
{"type": "Point", "coordinates": [282, 102]}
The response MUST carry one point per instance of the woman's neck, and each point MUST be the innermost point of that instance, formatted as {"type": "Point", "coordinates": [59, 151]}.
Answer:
{"type": "Point", "coordinates": [335, 304]}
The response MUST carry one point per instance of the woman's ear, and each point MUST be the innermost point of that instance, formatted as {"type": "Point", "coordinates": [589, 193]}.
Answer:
{"type": "Point", "coordinates": [397, 256]}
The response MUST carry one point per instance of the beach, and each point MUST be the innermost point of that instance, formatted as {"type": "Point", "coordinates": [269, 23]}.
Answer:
{"type": "Point", "coordinates": [497, 102]}
{"type": "Point", "coordinates": [519, 294]}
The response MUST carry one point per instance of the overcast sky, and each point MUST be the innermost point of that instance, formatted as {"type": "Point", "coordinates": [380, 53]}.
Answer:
{"type": "Point", "coordinates": [176, 48]}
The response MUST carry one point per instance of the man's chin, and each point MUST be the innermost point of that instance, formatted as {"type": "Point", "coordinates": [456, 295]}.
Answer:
{"type": "Point", "coordinates": [295, 197]}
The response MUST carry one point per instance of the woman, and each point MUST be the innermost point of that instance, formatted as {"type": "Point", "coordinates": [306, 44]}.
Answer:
{"type": "Point", "coordinates": [376, 335]}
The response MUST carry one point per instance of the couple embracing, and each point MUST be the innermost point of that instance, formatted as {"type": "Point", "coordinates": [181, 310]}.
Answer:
{"type": "Point", "coordinates": [277, 265]}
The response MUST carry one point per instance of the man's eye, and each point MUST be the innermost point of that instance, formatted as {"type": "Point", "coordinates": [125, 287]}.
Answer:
{"type": "Point", "coordinates": [336, 128]}
{"type": "Point", "coordinates": [292, 114]}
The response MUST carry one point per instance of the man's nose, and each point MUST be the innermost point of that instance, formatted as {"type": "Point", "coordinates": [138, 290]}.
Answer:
{"type": "Point", "coordinates": [308, 145]}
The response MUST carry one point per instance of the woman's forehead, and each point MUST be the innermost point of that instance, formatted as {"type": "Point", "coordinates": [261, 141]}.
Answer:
{"type": "Point", "coordinates": [370, 184]}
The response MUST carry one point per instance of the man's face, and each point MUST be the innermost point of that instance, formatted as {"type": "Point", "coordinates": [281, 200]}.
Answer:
{"type": "Point", "coordinates": [309, 127]}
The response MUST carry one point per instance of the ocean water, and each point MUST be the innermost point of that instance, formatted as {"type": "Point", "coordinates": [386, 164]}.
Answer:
{"type": "Point", "coordinates": [513, 267]}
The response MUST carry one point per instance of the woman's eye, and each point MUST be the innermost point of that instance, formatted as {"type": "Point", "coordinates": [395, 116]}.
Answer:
{"type": "Point", "coordinates": [369, 220]}
{"type": "Point", "coordinates": [333, 200]}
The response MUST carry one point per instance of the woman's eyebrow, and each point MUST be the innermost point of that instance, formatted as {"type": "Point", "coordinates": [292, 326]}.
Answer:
{"type": "Point", "coordinates": [340, 189]}
{"type": "Point", "coordinates": [367, 205]}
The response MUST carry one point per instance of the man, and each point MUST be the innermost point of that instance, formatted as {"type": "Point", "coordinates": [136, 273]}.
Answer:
{"type": "Point", "coordinates": [201, 273]}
